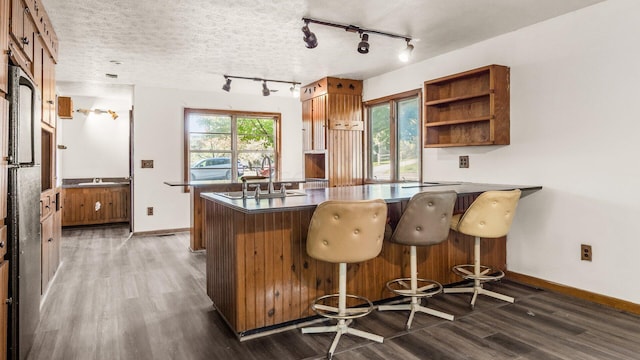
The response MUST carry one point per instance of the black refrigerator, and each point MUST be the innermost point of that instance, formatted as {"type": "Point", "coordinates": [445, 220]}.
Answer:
{"type": "Point", "coordinates": [23, 221]}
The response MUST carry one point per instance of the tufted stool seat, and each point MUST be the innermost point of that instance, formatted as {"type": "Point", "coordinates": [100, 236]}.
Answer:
{"type": "Point", "coordinates": [345, 232]}
{"type": "Point", "coordinates": [489, 216]}
{"type": "Point", "coordinates": [424, 222]}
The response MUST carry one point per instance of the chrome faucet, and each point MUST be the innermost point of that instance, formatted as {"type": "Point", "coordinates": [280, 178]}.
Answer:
{"type": "Point", "coordinates": [268, 159]}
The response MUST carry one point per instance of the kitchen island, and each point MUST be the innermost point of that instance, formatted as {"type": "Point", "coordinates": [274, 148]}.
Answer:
{"type": "Point", "coordinates": [259, 276]}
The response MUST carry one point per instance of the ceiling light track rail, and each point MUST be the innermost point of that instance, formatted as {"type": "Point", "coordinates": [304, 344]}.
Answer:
{"type": "Point", "coordinates": [295, 88]}
{"type": "Point", "coordinates": [355, 29]}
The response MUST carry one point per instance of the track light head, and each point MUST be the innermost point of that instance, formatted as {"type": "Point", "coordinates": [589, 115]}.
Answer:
{"type": "Point", "coordinates": [363, 46]}
{"type": "Point", "coordinates": [405, 54]}
{"type": "Point", "coordinates": [265, 89]}
{"type": "Point", "coordinates": [295, 91]}
{"type": "Point", "coordinates": [227, 86]}
{"type": "Point", "coordinates": [309, 38]}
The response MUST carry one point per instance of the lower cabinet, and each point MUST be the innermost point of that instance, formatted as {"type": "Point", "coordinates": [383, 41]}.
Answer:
{"type": "Point", "coordinates": [51, 235]}
{"type": "Point", "coordinates": [95, 205]}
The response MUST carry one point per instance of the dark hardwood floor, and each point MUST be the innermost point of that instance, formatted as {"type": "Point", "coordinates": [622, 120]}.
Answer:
{"type": "Point", "coordinates": [144, 297]}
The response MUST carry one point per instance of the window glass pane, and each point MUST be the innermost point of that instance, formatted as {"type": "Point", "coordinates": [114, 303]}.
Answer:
{"type": "Point", "coordinates": [256, 133]}
{"type": "Point", "coordinates": [252, 163]}
{"type": "Point", "coordinates": [380, 140]}
{"type": "Point", "coordinates": [210, 142]}
{"type": "Point", "coordinates": [208, 123]}
{"type": "Point", "coordinates": [210, 166]}
{"type": "Point", "coordinates": [408, 140]}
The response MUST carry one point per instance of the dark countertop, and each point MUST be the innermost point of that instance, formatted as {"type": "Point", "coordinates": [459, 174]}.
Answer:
{"type": "Point", "coordinates": [388, 192]}
{"type": "Point", "coordinates": [89, 183]}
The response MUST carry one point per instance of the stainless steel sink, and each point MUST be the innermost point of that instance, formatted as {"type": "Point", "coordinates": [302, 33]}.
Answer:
{"type": "Point", "coordinates": [235, 195]}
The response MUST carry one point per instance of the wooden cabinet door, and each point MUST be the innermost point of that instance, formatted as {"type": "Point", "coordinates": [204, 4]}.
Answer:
{"type": "Point", "coordinates": [4, 44]}
{"type": "Point", "coordinates": [17, 21]}
{"type": "Point", "coordinates": [318, 120]}
{"type": "Point", "coordinates": [4, 307]}
{"type": "Point", "coordinates": [118, 205]}
{"type": "Point", "coordinates": [28, 35]}
{"type": "Point", "coordinates": [307, 128]}
{"type": "Point", "coordinates": [73, 204]}
{"type": "Point", "coordinates": [48, 89]}
{"type": "Point", "coordinates": [4, 148]}
{"type": "Point", "coordinates": [57, 238]}
{"type": "Point", "coordinates": [47, 238]}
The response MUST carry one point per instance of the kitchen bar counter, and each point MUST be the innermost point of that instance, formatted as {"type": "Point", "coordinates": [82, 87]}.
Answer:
{"type": "Point", "coordinates": [260, 278]}
{"type": "Point", "coordinates": [390, 193]}
{"type": "Point", "coordinates": [197, 187]}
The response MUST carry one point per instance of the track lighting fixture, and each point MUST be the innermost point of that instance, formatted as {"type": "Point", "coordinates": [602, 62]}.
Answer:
{"type": "Point", "coordinates": [86, 112]}
{"type": "Point", "coordinates": [227, 86]}
{"type": "Point", "coordinates": [363, 47]}
{"type": "Point", "coordinates": [309, 38]}
{"type": "Point", "coordinates": [295, 91]}
{"type": "Point", "coordinates": [265, 88]}
{"type": "Point", "coordinates": [405, 54]}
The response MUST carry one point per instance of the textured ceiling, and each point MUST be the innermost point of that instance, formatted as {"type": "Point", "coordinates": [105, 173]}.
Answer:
{"type": "Point", "coordinates": [190, 44]}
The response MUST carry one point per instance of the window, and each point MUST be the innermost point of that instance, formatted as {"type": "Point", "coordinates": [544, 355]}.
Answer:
{"type": "Point", "coordinates": [394, 138]}
{"type": "Point", "coordinates": [224, 145]}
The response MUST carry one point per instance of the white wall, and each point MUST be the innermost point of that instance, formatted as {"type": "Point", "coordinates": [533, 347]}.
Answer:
{"type": "Point", "coordinates": [574, 130]}
{"type": "Point", "coordinates": [97, 145]}
{"type": "Point", "coordinates": [159, 136]}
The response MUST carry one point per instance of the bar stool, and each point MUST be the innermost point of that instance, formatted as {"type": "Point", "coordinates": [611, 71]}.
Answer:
{"type": "Point", "coordinates": [489, 216]}
{"type": "Point", "coordinates": [424, 222]}
{"type": "Point", "coordinates": [345, 232]}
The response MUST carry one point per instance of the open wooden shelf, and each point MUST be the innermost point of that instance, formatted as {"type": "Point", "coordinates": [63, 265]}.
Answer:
{"type": "Point", "coordinates": [468, 109]}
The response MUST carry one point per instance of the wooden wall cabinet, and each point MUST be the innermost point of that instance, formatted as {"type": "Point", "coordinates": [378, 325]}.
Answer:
{"type": "Point", "coordinates": [95, 205]}
{"type": "Point", "coordinates": [65, 107]}
{"type": "Point", "coordinates": [332, 131]}
{"type": "Point", "coordinates": [469, 108]}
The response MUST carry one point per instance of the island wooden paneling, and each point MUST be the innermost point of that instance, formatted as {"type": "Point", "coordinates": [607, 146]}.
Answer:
{"type": "Point", "coordinates": [259, 274]}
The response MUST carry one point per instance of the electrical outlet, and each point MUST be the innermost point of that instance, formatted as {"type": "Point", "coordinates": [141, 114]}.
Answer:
{"type": "Point", "coordinates": [150, 211]}
{"type": "Point", "coordinates": [463, 161]}
{"type": "Point", "coordinates": [147, 164]}
{"type": "Point", "coordinates": [585, 252]}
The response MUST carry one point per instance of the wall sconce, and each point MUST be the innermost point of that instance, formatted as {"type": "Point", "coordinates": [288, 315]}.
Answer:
{"type": "Point", "coordinates": [311, 41]}
{"type": "Point", "coordinates": [265, 89]}
{"type": "Point", "coordinates": [113, 114]}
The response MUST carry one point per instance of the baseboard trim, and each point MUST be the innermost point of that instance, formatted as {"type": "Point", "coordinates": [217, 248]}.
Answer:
{"type": "Point", "coordinates": [578, 293]}
{"type": "Point", "coordinates": [159, 232]}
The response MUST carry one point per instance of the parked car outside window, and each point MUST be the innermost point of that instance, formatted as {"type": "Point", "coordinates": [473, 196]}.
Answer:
{"type": "Point", "coordinates": [214, 169]}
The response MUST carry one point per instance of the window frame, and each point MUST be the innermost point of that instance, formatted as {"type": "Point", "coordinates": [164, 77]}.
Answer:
{"type": "Point", "coordinates": [392, 101]}
{"type": "Point", "coordinates": [233, 152]}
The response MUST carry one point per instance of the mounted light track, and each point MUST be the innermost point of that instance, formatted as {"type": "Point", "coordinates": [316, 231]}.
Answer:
{"type": "Point", "coordinates": [265, 88]}
{"type": "Point", "coordinates": [311, 41]}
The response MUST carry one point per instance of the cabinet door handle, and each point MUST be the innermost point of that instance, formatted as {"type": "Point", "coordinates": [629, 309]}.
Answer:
{"type": "Point", "coordinates": [25, 40]}
{"type": "Point", "coordinates": [1, 244]}
{"type": "Point", "coordinates": [50, 239]}
{"type": "Point", "coordinates": [50, 102]}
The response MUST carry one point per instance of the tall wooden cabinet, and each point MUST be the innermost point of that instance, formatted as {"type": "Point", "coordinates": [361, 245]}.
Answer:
{"type": "Point", "coordinates": [469, 108]}
{"type": "Point", "coordinates": [332, 128]}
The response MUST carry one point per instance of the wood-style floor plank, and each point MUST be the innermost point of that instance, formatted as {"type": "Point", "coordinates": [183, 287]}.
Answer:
{"type": "Point", "coordinates": [144, 297]}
